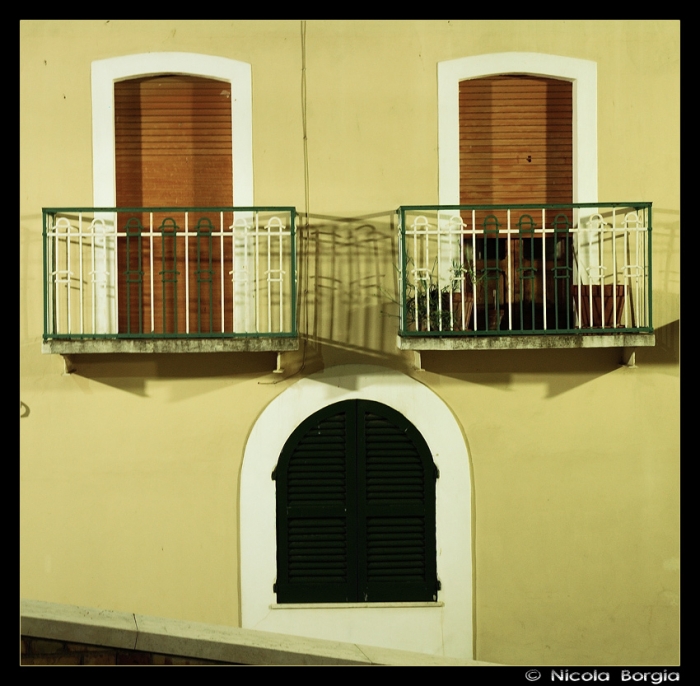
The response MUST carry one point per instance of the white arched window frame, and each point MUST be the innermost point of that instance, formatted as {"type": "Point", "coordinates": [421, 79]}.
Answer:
{"type": "Point", "coordinates": [442, 628]}
{"type": "Point", "coordinates": [583, 77]}
{"type": "Point", "coordinates": [104, 74]}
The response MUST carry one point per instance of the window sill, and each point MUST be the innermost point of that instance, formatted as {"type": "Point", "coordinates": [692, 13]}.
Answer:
{"type": "Point", "coordinates": [347, 606]}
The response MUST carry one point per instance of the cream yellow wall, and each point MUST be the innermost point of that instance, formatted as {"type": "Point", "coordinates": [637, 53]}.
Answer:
{"type": "Point", "coordinates": [130, 466]}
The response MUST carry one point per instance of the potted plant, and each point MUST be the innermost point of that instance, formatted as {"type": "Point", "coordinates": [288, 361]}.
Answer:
{"type": "Point", "coordinates": [428, 308]}
{"type": "Point", "coordinates": [431, 307]}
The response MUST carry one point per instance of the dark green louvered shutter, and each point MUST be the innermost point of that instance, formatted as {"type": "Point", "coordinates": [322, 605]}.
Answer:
{"type": "Point", "coordinates": [396, 508]}
{"type": "Point", "coordinates": [356, 509]}
{"type": "Point", "coordinates": [316, 510]}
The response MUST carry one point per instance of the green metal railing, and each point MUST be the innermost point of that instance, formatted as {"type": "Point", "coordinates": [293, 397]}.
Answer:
{"type": "Point", "coordinates": [169, 272]}
{"type": "Point", "coordinates": [471, 270]}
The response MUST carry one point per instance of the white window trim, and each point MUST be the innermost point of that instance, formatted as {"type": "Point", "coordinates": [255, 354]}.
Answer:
{"type": "Point", "coordinates": [104, 74]}
{"type": "Point", "coordinates": [443, 628]}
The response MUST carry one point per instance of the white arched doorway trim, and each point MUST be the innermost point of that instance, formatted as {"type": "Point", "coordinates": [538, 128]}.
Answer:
{"type": "Point", "coordinates": [582, 74]}
{"type": "Point", "coordinates": [106, 72]}
{"type": "Point", "coordinates": [443, 628]}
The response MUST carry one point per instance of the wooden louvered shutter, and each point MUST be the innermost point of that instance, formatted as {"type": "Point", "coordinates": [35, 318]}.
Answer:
{"type": "Point", "coordinates": [516, 147]}
{"type": "Point", "coordinates": [316, 510]}
{"type": "Point", "coordinates": [356, 509]}
{"type": "Point", "coordinates": [173, 148]}
{"type": "Point", "coordinates": [515, 140]}
{"type": "Point", "coordinates": [396, 508]}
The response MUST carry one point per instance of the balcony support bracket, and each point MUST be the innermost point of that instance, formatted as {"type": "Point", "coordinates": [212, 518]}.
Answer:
{"type": "Point", "coordinates": [628, 358]}
{"type": "Point", "coordinates": [68, 366]}
{"type": "Point", "coordinates": [417, 362]}
{"type": "Point", "coordinates": [279, 369]}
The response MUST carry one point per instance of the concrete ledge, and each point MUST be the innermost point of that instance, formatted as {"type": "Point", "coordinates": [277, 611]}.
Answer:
{"type": "Point", "coordinates": [170, 345]}
{"type": "Point", "coordinates": [109, 628]}
{"type": "Point", "coordinates": [79, 624]}
{"type": "Point", "coordinates": [534, 342]}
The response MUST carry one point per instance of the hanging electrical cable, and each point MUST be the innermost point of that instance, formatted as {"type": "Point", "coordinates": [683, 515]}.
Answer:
{"type": "Point", "coordinates": [305, 252]}
{"type": "Point", "coordinates": [303, 235]}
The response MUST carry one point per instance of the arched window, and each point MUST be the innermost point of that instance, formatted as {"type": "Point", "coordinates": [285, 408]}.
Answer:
{"type": "Point", "coordinates": [356, 509]}
{"type": "Point", "coordinates": [443, 627]}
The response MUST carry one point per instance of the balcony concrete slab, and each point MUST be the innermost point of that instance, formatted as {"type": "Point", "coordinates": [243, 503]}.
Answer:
{"type": "Point", "coordinates": [171, 345]}
{"type": "Point", "coordinates": [535, 342]}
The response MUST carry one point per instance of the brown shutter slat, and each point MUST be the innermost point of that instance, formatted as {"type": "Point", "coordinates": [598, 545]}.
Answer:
{"type": "Point", "coordinates": [173, 148]}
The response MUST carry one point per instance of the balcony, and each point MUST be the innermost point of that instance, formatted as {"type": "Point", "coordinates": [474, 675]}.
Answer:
{"type": "Point", "coordinates": [198, 279]}
{"type": "Point", "coordinates": [525, 276]}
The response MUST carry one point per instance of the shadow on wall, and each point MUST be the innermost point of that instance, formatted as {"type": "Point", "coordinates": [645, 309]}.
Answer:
{"type": "Point", "coordinates": [666, 285]}
{"type": "Point", "coordinates": [561, 370]}
{"type": "Point", "coordinates": [667, 348]}
{"type": "Point", "coordinates": [347, 286]}
{"type": "Point", "coordinates": [131, 372]}
{"type": "Point", "coordinates": [348, 283]}
{"type": "Point", "coordinates": [666, 264]}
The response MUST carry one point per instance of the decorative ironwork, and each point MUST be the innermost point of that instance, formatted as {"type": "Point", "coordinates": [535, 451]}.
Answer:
{"type": "Point", "coordinates": [525, 269]}
{"type": "Point", "coordinates": [169, 272]}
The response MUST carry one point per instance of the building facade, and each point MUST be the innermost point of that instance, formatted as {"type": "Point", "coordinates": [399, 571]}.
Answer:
{"type": "Point", "coordinates": [356, 330]}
